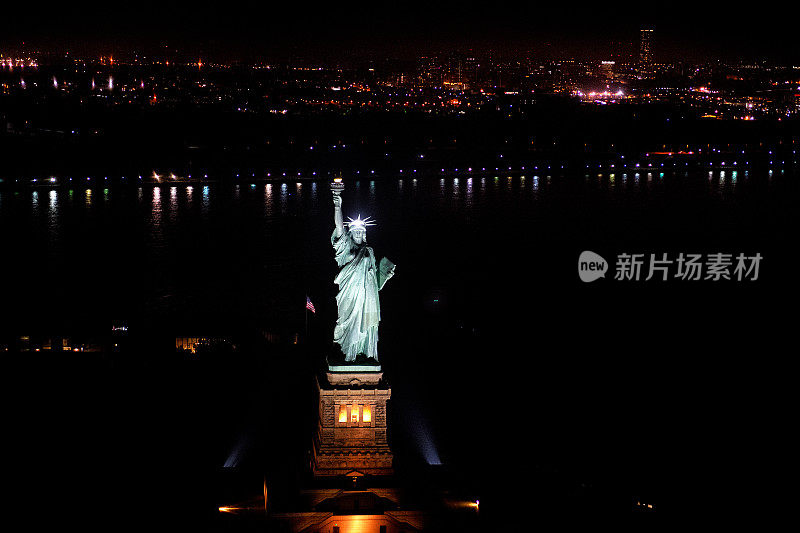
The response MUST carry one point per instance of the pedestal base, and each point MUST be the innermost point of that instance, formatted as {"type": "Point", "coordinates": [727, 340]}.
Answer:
{"type": "Point", "coordinates": [351, 437]}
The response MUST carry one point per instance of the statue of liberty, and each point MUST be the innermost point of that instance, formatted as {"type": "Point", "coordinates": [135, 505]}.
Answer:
{"type": "Point", "coordinates": [359, 280]}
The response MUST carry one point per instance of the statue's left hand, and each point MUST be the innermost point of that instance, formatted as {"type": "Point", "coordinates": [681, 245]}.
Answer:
{"type": "Point", "coordinates": [386, 272]}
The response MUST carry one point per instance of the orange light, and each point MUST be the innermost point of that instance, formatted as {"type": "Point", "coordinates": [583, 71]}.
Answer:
{"type": "Point", "coordinates": [343, 413]}
{"type": "Point", "coordinates": [367, 414]}
{"type": "Point", "coordinates": [354, 414]}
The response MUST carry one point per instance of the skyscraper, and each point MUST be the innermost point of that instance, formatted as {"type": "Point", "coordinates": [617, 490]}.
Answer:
{"type": "Point", "coordinates": [607, 69]}
{"type": "Point", "coordinates": [454, 70]}
{"type": "Point", "coordinates": [646, 51]}
{"type": "Point", "coordinates": [429, 71]}
{"type": "Point", "coordinates": [471, 66]}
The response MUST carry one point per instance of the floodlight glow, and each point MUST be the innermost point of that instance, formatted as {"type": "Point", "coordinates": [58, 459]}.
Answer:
{"type": "Point", "coordinates": [358, 222]}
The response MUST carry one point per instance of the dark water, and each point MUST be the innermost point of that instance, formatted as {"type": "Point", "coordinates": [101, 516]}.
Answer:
{"type": "Point", "coordinates": [501, 359]}
{"type": "Point", "coordinates": [194, 255]}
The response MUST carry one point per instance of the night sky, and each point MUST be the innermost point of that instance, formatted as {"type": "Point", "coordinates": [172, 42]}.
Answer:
{"type": "Point", "coordinates": [238, 29]}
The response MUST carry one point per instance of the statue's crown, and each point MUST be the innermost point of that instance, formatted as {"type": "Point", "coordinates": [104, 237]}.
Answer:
{"type": "Point", "coordinates": [359, 223]}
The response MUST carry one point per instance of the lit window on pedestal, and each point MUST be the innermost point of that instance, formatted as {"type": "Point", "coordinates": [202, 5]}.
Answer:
{"type": "Point", "coordinates": [366, 414]}
{"type": "Point", "coordinates": [354, 414]}
{"type": "Point", "coordinates": [343, 414]}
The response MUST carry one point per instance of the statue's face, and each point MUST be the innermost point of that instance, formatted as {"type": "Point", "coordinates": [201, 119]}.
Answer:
{"type": "Point", "coordinates": [359, 235]}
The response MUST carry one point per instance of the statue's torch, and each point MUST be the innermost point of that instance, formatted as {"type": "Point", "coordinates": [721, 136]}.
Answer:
{"type": "Point", "coordinates": [337, 186]}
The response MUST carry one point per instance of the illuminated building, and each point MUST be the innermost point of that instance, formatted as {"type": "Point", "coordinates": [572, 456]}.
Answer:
{"type": "Point", "coordinates": [607, 69]}
{"type": "Point", "coordinates": [454, 73]}
{"type": "Point", "coordinates": [429, 71]}
{"type": "Point", "coordinates": [351, 438]}
{"type": "Point", "coordinates": [199, 344]}
{"type": "Point", "coordinates": [470, 72]}
{"type": "Point", "coordinates": [351, 462]}
{"type": "Point", "coordinates": [646, 51]}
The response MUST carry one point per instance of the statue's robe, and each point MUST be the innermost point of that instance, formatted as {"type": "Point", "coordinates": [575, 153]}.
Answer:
{"type": "Point", "coordinates": [359, 281]}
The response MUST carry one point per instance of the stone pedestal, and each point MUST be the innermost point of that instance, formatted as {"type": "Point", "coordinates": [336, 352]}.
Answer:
{"type": "Point", "coordinates": [351, 434]}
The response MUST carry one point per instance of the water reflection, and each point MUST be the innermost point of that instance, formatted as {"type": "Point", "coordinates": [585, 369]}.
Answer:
{"type": "Point", "coordinates": [173, 203]}
{"type": "Point", "coordinates": [268, 202]}
{"type": "Point", "coordinates": [509, 191]}
{"type": "Point", "coordinates": [156, 229]}
{"type": "Point", "coordinates": [284, 199]}
{"type": "Point", "coordinates": [53, 214]}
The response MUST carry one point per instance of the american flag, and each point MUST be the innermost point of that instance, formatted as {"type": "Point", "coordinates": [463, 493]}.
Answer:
{"type": "Point", "coordinates": [309, 305]}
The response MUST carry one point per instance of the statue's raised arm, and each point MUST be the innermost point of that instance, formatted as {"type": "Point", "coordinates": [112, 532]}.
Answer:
{"type": "Point", "coordinates": [359, 281]}
{"type": "Point", "coordinates": [337, 214]}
